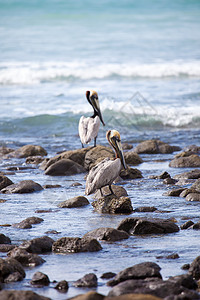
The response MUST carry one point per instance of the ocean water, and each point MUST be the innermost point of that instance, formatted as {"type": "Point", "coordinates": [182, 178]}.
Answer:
{"type": "Point", "coordinates": [143, 59]}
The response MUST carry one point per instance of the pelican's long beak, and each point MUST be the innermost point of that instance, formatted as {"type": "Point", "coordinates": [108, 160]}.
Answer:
{"type": "Point", "coordinates": [113, 137]}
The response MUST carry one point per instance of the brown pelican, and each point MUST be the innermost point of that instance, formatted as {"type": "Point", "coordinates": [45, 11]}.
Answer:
{"type": "Point", "coordinates": [105, 172]}
{"type": "Point", "coordinates": [88, 127]}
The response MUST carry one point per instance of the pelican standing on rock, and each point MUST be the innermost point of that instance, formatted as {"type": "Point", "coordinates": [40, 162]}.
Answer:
{"type": "Point", "coordinates": [89, 127]}
{"type": "Point", "coordinates": [105, 172]}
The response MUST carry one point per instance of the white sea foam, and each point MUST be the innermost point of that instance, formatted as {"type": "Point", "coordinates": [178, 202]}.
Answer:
{"type": "Point", "coordinates": [35, 72]}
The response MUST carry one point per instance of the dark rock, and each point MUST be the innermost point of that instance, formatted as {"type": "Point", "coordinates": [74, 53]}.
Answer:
{"type": "Point", "coordinates": [75, 244]}
{"type": "Point", "coordinates": [113, 205]}
{"type": "Point", "coordinates": [194, 174]}
{"type": "Point", "coordinates": [187, 224]}
{"type": "Point", "coordinates": [185, 192]}
{"type": "Point", "coordinates": [25, 258]}
{"type": "Point", "coordinates": [36, 160]}
{"type": "Point", "coordinates": [155, 147]}
{"type": "Point", "coordinates": [132, 158]}
{"type": "Point", "coordinates": [52, 232]}
{"type": "Point", "coordinates": [193, 148]}
{"type": "Point", "coordinates": [170, 181]}
{"type": "Point", "coordinates": [43, 211]}
{"type": "Point", "coordinates": [28, 150]}
{"type": "Point", "coordinates": [163, 175]}
{"type": "Point", "coordinates": [138, 271]}
{"type": "Point", "coordinates": [193, 197]}
{"type": "Point", "coordinates": [25, 186]}
{"type": "Point", "coordinates": [40, 279]}
{"type": "Point", "coordinates": [147, 226]}
{"type": "Point", "coordinates": [194, 269]}
{"type": "Point", "coordinates": [175, 192]}
{"type": "Point", "coordinates": [62, 286]}
{"type": "Point", "coordinates": [76, 184]}
{"type": "Point", "coordinates": [8, 267]}
{"type": "Point", "coordinates": [74, 202]}
{"type": "Point", "coordinates": [126, 146]}
{"type": "Point", "coordinates": [196, 185]}
{"type": "Point", "coordinates": [93, 296]}
{"type": "Point", "coordinates": [64, 167]}
{"type": "Point", "coordinates": [51, 186]}
{"type": "Point", "coordinates": [97, 154]}
{"type": "Point", "coordinates": [14, 277]}
{"type": "Point", "coordinates": [5, 150]}
{"type": "Point", "coordinates": [4, 239]}
{"type": "Point", "coordinates": [20, 295]}
{"type": "Point", "coordinates": [145, 209]}
{"type": "Point", "coordinates": [107, 234]}
{"type": "Point", "coordinates": [28, 222]}
{"type": "Point", "coordinates": [118, 190]}
{"type": "Point", "coordinates": [4, 182]}
{"type": "Point", "coordinates": [6, 247]}
{"type": "Point", "coordinates": [130, 173]}
{"type": "Point", "coordinates": [195, 226]}
{"type": "Point", "coordinates": [89, 280]}
{"type": "Point", "coordinates": [108, 275]}
{"type": "Point", "coordinates": [173, 256]}
{"type": "Point", "coordinates": [185, 267]}
{"type": "Point", "coordinates": [185, 280]}
{"type": "Point", "coordinates": [192, 161]}
{"type": "Point", "coordinates": [38, 245]}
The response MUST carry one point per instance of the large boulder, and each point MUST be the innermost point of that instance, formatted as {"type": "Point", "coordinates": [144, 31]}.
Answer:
{"type": "Point", "coordinates": [111, 204]}
{"type": "Point", "coordinates": [40, 279]}
{"type": "Point", "coordinates": [194, 174]}
{"type": "Point", "coordinates": [138, 271]}
{"type": "Point", "coordinates": [97, 154]}
{"type": "Point", "coordinates": [192, 161]}
{"type": "Point", "coordinates": [20, 295]}
{"type": "Point", "coordinates": [28, 150]}
{"type": "Point", "coordinates": [77, 201]}
{"type": "Point", "coordinates": [88, 280]}
{"type": "Point", "coordinates": [130, 173]}
{"type": "Point", "coordinates": [4, 181]}
{"type": "Point", "coordinates": [118, 190]}
{"type": "Point", "coordinates": [25, 258]}
{"type": "Point", "coordinates": [4, 239]}
{"type": "Point", "coordinates": [147, 226]}
{"type": "Point", "coordinates": [155, 147]}
{"type": "Point", "coordinates": [24, 186]}
{"type": "Point", "coordinates": [27, 223]}
{"type": "Point", "coordinates": [132, 158]}
{"type": "Point", "coordinates": [64, 167]}
{"type": "Point", "coordinates": [10, 266]}
{"type": "Point", "coordinates": [38, 245]}
{"type": "Point", "coordinates": [107, 234]}
{"type": "Point", "coordinates": [76, 244]}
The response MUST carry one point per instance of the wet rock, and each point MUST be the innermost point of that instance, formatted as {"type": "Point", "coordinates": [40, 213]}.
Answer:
{"type": "Point", "coordinates": [196, 185]}
{"type": "Point", "coordinates": [170, 181]}
{"type": "Point", "coordinates": [145, 209]}
{"type": "Point", "coordinates": [107, 234]}
{"type": "Point", "coordinates": [155, 147]}
{"type": "Point", "coordinates": [74, 202]}
{"type": "Point", "coordinates": [28, 150]}
{"type": "Point", "coordinates": [4, 239]}
{"type": "Point", "coordinates": [25, 186]}
{"type": "Point", "coordinates": [64, 167]}
{"type": "Point", "coordinates": [195, 226]}
{"type": "Point", "coordinates": [130, 173]}
{"type": "Point", "coordinates": [193, 197]}
{"type": "Point", "coordinates": [14, 277]}
{"type": "Point", "coordinates": [76, 244]}
{"type": "Point", "coordinates": [186, 192]}
{"type": "Point", "coordinates": [175, 192]}
{"type": "Point", "coordinates": [193, 148]}
{"type": "Point", "coordinates": [52, 232]}
{"type": "Point", "coordinates": [194, 269]}
{"type": "Point", "coordinates": [118, 190]}
{"type": "Point", "coordinates": [127, 146]}
{"type": "Point", "coordinates": [90, 296]}
{"type": "Point", "coordinates": [147, 226]}
{"type": "Point", "coordinates": [6, 247]}
{"type": "Point", "coordinates": [4, 182]}
{"type": "Point", "coordinates": [20, 295]}
{"type": "Point", "coordinates": [173, 256]}
{"type": "Point", "coordinates": [187, 224]}
{"type": "Point", "coordinates": [108, 275]}
{"type": "Point", "coordinates": [97, 154]}
{"type": "Point", "coordinates": [192, 161]}
{"type": "Point", "coordinates": [25, 258]}
{"type": "Point", "coordinates": [51, 186]}
{"type": "Point", "coordinates": [89, 280]}
{"type": "Point", "coordinates": [5, 150]}
{"type": "Point", "coordinates": [113, 205]}
{"type": "Point", "coordinates": [76, 184]}
{"type": "Point", "coordinates": [38, 245]}
{"type": "Point", "coordinates": [163, 175]}
{"type": "Point", "coordinates": [194, 174]}
{"type": "Point", "coordinates": [185, 267]}
{"type": "Point", "coordinates": [40, 279]}
{"type": "Point", "coordinates": [36, 160]}
{"type": "Point", "coordinates": [62, 286]}
{"type": "Point", "coordinates": [138, 271]}
{"type": "Point", "coordinates": [132, 158]}
{"type": "Point", "coordinates": [8, 267]}
{"type": "Point", "coordinates": [28, 222]}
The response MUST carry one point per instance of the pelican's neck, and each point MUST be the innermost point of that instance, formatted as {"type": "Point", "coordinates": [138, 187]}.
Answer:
{"type": "Point", "coordinates": [94, 115]}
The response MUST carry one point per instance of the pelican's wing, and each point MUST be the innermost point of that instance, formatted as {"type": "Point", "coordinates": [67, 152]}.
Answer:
{"type": "Point", "coordinates": [83, 128]}
{"type": "Point", "coordinates": [104, 173]}
{"type": "Point", "coordinates": [92, 128]}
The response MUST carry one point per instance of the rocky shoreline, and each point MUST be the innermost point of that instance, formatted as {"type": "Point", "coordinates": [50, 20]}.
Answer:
{"type": "Point", "coordinates": [140, 281]}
